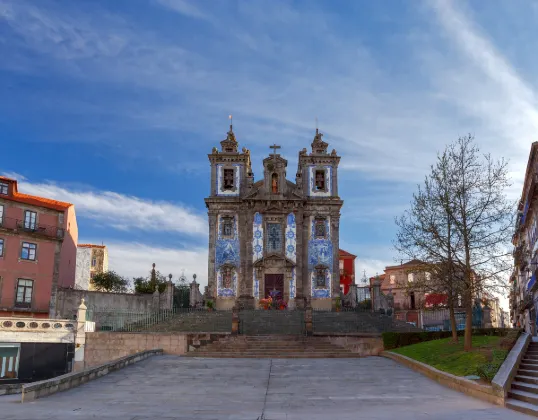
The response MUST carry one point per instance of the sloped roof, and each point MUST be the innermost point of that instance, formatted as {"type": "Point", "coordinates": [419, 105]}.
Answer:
{"type": "Point", "coordinates": [33, 199]}
{"type": "Point", "coordinates": [343, 253]}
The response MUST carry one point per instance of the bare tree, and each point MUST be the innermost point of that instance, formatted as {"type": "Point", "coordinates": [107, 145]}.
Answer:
{"type": "Point", "coordinates": [482, 219]}
{"type": "Point", "coordinates": [426, 234]}
{"type": "Point", "coordinates": [459, 225]}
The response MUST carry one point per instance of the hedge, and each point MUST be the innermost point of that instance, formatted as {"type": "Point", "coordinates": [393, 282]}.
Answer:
{"type": "Point", "coordinates": [393, 340]}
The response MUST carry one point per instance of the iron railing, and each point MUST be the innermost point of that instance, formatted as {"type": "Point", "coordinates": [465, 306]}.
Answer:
{"type": "Point", "coordinates": [40, 229]}
{"type": "Point", "coordinates": [167, 320]}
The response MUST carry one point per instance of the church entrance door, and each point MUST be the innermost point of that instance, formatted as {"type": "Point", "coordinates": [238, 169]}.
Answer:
{"type": "Point", "coordinates": [274, 282]}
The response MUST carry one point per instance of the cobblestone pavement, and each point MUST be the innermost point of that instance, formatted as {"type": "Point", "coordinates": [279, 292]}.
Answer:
{"type": "Point", "coordinates": [172, 387]}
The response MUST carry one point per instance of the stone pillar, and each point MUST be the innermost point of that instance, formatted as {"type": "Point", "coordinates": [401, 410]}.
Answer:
{"type": "Point", "coordinates": [156, 300]}
{"type": "Point", "coordinates": [353, 295]}
{"type": "Point", "coordinates": [235, 320]}
{"type": "Point", "coordinates": [300, 250]}
{"type": "Point", "coordinates": [305, 275]}
{"type": "Point", "coordinates": [80, 338]}
{"type": "Point", "coordinates": [195, 297]}
{"type": "Point", "coordinates": [211, 277]}
{"type": "Point", "coordinates": [308, 320]}
{"type": "Point", "coordinates": [376, 294]}
{"type": "Point", "coordinates": [245, 298]}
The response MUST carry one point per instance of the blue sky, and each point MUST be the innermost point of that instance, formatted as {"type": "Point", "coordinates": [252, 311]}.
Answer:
{"type": "Point", "coordinates": [114, 106]}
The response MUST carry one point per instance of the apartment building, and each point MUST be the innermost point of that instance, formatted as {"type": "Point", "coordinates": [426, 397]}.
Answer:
{"type": "Point", "coordinates": [38, 246]}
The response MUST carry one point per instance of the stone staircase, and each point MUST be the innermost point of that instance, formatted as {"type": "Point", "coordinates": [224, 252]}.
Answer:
{"type": "Point", "coordinates": [356, 321]}
{"type": "Point", "coordinates": [523, 395]}
{"type": "Point", "coordinates": [272, 346]}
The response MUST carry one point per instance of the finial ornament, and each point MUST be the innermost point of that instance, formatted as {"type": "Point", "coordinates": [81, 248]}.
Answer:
{"type": "Point", "coordinates": [231, 121]}
{"type": "Point", "coordinates": [153, 265]}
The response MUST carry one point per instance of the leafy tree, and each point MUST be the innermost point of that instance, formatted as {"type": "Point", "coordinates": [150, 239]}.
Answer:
{"type": "Point", "coordinates": [148, 284]}
{"type": "Point", "coordinates": [110, 281]}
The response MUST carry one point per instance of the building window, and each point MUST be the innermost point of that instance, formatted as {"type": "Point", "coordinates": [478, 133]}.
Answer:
{"type": "Point", "coordinates": [92, 275]}
{"type": "Point", "coordinates": [228, 179]}
{"type": "Point", "coordinates": [30, 219]}
{"type": "Point", "coordinates": [1, 247]}
{"type": "Point", "coordinates": [274, 237]}
{"type": "Point", "coordinates": [320, 229]}
{"type": "Point", "coordinates": [321, 280]}
{"type": "Point", "coordinates": [94, 262]}
{"type": "Point", "coordinates": [24, 293]}
{"type": "Point", "coordinates": [4, 186]}
{"type": "Point", "coordinates": [227, 227]}
{"type": "Point", "coordinates": [1, 214]}
{"type": "Point", "coordinates": [28, 251]}
{"type": "Point", "coordinates": [320, 180]}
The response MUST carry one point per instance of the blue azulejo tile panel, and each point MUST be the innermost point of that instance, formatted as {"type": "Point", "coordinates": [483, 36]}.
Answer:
{"type": "Point", "coordinates": [257, 237]}
{"type": "Point", "coordinates": [292, 283]}
{"type": "Point", "coordinates": [312, 190]}
{"type": "Point", "coordinates": [291, 238]}
{"type": "Point", "coordinates": [220, 180]}
{"type": "Point", "coordinates": [256, 286]}
{"type": "Point", "coordinates": [226, 290]}
{"type": "Point", "coordinates": [227, 252]}
{"type": "Point", "coordinates": [320, 253]}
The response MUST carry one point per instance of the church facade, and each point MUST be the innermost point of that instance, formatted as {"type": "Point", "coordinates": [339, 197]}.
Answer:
{"type": "Point", "coordinates": [273, 235]}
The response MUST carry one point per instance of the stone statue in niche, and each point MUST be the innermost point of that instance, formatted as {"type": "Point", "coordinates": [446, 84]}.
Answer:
{"type": "Point", "coordinates": [320, 277]}
{"type": "Point", "coordinates": [274, 183]}
{"type": "Point", "coordinates": [227, 278]}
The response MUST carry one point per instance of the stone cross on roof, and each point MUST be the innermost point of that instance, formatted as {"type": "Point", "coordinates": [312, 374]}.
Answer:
{"type": "Point", "coordinates": [274, 147]}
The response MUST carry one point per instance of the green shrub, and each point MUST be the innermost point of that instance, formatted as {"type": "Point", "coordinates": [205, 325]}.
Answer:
{"type": "Point", "coordinates": [393, 340]}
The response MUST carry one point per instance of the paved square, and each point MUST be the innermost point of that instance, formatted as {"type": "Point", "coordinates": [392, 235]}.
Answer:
{"type": "Point", "coordinates": [173, 387]}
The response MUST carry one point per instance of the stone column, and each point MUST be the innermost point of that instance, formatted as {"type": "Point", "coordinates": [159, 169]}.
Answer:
{"type": "Point", "coordinates": [80, 338]}
{"type": "Point", "coordinates": [376, 294]}
{"type": "Point", "coordinates": [211, 278]}
{"type": "Point", "coordinates": [246, 218]}
{"type": "Point", "coordinates": [305, 275]}
{"type": "Point", "coordinates": [300, 252]}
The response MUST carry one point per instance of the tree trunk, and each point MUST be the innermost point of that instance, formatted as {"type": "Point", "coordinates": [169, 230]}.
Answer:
{"type": "Point", "coordinates": [453, 324]}
{"type": "Point", "coordinates": [468, 338]}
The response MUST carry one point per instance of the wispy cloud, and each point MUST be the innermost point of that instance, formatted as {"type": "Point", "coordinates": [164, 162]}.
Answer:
{"type": "Point", "coordinates": [122, 211]}
{"type": "Point", "coordinates": [135, 260]}
{"type": "Point", "coordinates": [183, 7]}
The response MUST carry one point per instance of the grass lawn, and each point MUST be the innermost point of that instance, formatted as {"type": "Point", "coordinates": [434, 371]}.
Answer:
{"type": "Point", "coordinates": [448, 357]}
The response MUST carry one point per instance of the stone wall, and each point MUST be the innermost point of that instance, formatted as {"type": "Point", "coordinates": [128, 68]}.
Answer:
{"type": "Point", "coordinates": [102, 347]}
{"type": "Point", "coordinates": [360, 344]}
{"type": "Point", "coordinates": [82, 272]}
{"type": "Point", "coordinates": [68, 301]}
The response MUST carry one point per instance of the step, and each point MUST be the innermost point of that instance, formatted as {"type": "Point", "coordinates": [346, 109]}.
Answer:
{"type": "Point", "coordinates": [525, 372]}
{"type": "Point", "coordinates": [525, 396]}
{"type": "Point", "coordinates": [522, 407]}
{"type": "Point", "coordinates": [524, 386]}
{"type": "Point", "coordinates": [526, 379]}
{"type": "Point", "coordinates": [531, 359]}
{"type": "Point", "coordinates": [528, 366]}
{"type": "Point", "coordinates": [272, 356]}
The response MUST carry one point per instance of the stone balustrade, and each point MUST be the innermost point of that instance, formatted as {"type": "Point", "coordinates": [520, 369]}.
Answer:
{"type": "Point", "coordinates": [20, 330]}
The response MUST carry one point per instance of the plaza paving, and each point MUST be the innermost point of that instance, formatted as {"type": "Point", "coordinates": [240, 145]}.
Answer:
{"type": "Point", "coordinates": [171, 387]}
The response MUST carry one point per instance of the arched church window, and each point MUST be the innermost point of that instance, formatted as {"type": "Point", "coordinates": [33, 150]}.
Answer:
{"type": "Point", "coordinates": [274, 183]}
{"type": "Point", "coordinates": [320, 277]}
{"type": "Point", "coordinates": [228, 179]}
{"type": "Point", "coordinates": [227, 277]}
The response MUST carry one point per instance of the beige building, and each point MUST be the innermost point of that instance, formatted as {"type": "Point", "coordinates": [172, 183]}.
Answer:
{"type": "Point", "coordinates": [91, 259]}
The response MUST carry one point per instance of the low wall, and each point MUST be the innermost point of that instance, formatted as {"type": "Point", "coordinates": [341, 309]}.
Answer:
{"type": "Point", "coordinates": [68, 301]}
{"type": "Point", "coordinates": [472, 388]}
{"type": "Point", "coordinates": [503, 379]}
{"type": "Point", "coordinates": [9, 389]}
{"type": "Point", "coordinates": [363, 344]}
{"type": "Point", "coordinates": [102, 347]}
{"type": "Point", "coordinates": [35, 390]}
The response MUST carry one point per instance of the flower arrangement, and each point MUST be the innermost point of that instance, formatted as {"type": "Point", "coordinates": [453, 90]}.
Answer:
{"type": "Point", "coordinates": [274, 301]}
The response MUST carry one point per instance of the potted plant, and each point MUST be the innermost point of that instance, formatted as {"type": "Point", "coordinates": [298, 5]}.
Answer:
{"type": "Point", "coordinates": [338, 304]}
{"type": "Point", "coordinates": [209, 305]}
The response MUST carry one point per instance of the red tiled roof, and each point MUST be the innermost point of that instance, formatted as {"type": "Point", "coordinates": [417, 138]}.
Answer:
{"type": "Point", "coordinates": [90, 246]}
{"type": "Point", "coordinates": [343, 253]}
{"type": "Point", "coordinates": [33, 199]}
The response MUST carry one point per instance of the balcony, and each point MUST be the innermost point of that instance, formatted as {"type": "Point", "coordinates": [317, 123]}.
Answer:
{"type": "Point", "coordinates": [38, 229]}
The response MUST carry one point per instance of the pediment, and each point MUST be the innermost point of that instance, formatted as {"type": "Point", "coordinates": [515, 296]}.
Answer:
{"type": "Point", "coordinates": [272, 260]}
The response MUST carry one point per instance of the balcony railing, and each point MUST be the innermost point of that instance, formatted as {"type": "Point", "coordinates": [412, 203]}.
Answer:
{"type": "Point", "coordinates": [34, 228]}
